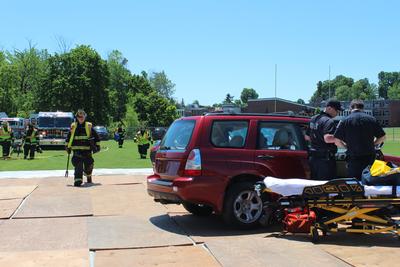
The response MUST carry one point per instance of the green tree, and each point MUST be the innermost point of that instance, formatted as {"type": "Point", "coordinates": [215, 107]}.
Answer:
{"type": "Point", "coordinates": [343, 93]}
{"type": "Point", "coordinates": [119, 84]}
{"type": "Point", "coordinates": [74, 80]}
{"type": "Point", "coordinates": [394, 92]}
{"type": "Point", "coordinates": [301, 101]}
{"type": "Point", "coordinates": [248, 93]}
{"type": "Point", "coordinates": [362, 89]}
{"type": "Point", "coordinates": [154, 109]}
{"type": "Point", "coordinates": [228, 99]}
{"type": "Point", "coordinates": [326, 89]}
{"type": "Point", "coordinates": [386, 80]}
{"type": "Point", "coordinates": [162, 84]}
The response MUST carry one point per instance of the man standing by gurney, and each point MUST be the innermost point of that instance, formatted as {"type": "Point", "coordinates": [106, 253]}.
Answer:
{"type": "Point", "coordinates": [322, 152]}
{"type": "Point", "coordinates": [360, 133]}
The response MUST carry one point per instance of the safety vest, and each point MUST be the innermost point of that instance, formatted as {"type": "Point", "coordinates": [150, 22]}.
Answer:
{"type": "Point", "coordinates": [143, 139]}
{"type": "Point", "coordinates": [5, 133]}
{"type": "Point", "coordinates": [32, 139]}
{"type": "Point", "coordinates": [88, 130]}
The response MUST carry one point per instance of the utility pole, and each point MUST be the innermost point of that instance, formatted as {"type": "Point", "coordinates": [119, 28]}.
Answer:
{"type": "Point", "coordinates": [329, 85]}
{"type": "Point", "coordinates": [276, 71]}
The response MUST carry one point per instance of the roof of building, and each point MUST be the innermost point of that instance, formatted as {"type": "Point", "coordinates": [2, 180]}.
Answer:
{"type": "Point", "coordinates": [280, 99]}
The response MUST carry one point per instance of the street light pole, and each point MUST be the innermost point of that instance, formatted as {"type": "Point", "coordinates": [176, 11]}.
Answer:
{"type": "Point", "coordinates": [276, 70]}
{"type": "Point", "coordinates": [329, 85]}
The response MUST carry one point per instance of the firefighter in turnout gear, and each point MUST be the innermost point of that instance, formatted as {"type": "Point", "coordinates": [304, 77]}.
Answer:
{"type": "Point", "coordinates": [143, 138]}
{"type": "Point", "coordinates": [30, 142]}
{"type": "Point", "coordinates": [82, 140]}
{"type": "Point", "coordinates": [6, 137]}
{"type": "Point", "coordinates": [120, 132]}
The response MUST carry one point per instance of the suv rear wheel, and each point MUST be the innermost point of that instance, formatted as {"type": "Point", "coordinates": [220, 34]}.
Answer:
{"type": "Point", "coordinates": [198, 209]}
{"type": "Point", "coordinates": [242, 207]}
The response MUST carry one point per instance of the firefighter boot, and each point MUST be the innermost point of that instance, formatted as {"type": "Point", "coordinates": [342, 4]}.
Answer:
{"type": "Point", "coordinates": [78, 182]}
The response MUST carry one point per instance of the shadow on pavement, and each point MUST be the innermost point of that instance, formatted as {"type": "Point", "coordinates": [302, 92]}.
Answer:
{"type": "Point", "coordinates": [210, 226]}
{"type": "Point", "coordinates": [86, 185]}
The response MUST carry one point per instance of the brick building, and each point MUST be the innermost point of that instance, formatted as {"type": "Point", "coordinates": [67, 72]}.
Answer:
{"type": "Point", "coordinates": [387, 112]}
{"type": "Point", "coordinates": [267, 105]}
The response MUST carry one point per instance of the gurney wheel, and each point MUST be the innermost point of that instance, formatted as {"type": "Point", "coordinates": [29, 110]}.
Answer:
{"type": "Point", "coordinates": [314, 235]}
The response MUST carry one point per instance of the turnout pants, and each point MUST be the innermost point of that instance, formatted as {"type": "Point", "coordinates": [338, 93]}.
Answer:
{"type": "Point", "coordinates": [143, 150]}
{"type": "Point", "coordinates": [6, 148]}
{"type": "Point", "coordinates": [29, 149]}
{"type": "Point", "coordinates": [120, 141]}
{"type": "Point", "coordinates": [322, 168]}
{"type": "Point", "coordinates": [83, 163]}
{"type": "Point", "coordinates": [355, 165]}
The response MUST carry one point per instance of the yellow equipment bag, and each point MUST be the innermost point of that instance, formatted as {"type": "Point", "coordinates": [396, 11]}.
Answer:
{"type": "Point", "coordinates": [379, 168]}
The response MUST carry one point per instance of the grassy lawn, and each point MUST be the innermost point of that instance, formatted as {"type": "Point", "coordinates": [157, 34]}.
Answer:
{"type": "Point", "coordinates": [110, 157]}
{"type": "Point", "coordinates": [391, 148]}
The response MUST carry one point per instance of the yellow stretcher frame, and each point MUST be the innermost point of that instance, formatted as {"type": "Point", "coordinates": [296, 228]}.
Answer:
{"type": "Point", "coordinates": [350, 209]}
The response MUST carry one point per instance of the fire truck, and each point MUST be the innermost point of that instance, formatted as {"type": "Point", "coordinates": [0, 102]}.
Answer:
{"type": "Point", "coordinates": [17, 125]}
{"type": "Point", "coordinates": [53, 128]}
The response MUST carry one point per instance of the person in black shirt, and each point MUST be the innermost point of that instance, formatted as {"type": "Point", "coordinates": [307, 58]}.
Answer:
{"type": "Point", "coordinates": [83, 141]}
{"type": "Point", "coordinates": [360, 133]}
{"type": "Point", "coordinates": [323, 149]}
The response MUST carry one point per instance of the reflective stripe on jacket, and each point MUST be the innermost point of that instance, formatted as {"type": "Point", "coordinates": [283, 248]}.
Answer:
{"type": "Point", "coordinates": [5, 133]}
{"type": "Point", "coordinates": [80, 141]}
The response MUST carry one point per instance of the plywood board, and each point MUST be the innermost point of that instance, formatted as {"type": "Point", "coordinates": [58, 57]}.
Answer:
{"type": "Point", "coordinates": [124, 200]}
{"type": "Point", "coordinates": [56, 201]}
{"type": "Point", "coordinates": [62, 258]}
{"type": "Point", "coordinates": [43, 234]}
{"type": "Point", "coordinates": [12, 192]}
{"type": "Point", "coordinates": [120, 179]}
{"type": "Point", "coordinates": [182, 256]}
{"type": "Point", "coordinates": [8, 207]}
{"type": "Point", "coordinates": [262, 252]}
{"type": "Point", "coordinates": [113, 232]}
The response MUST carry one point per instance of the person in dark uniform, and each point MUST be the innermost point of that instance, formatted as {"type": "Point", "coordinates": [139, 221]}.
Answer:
{"type": "Point", "coordinates": [121, 136]}
{"type": "Point", "coordinates": [83, 141]}
{"type": "Point", "coordinates": [360, 133]}
{"type": "Point", "coordinates": [323, 149]}
{"type": "Point", "coordinates": [30, 142]}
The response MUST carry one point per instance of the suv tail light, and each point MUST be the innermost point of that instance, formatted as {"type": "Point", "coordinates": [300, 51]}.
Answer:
{"type": "Point", "coordinates": [193, 163]}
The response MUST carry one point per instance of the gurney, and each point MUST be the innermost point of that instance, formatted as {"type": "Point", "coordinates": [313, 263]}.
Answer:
{"type": "Point", "coordinates": [340, 205]}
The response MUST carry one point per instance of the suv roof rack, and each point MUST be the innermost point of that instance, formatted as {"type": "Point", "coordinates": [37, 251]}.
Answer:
{"type": "Point", "coordinates": [282, 114]}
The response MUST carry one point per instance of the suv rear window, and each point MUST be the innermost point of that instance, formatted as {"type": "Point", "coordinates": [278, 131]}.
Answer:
{"type": "Point", "coordinates": [277, 136]}
{"type": "Point", "coordinates": [229, 133]}
{"type": "Point", "coordinates": [178, 135]}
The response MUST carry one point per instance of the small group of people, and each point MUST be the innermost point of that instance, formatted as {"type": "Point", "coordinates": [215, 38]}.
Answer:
{"type": "Point", "coordinates": [142, 138]}
{"type": "Point", "coordinates": [359, 132]}
{"type": "Point", "coordinates": [30, 141]}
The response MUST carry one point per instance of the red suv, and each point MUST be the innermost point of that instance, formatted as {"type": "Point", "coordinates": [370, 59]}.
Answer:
{"type": "Point", "coordinates": [210, 163]}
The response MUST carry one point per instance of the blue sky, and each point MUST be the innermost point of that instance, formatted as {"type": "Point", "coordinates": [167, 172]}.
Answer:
{"type": "Point", "coordinates": [209, 48]}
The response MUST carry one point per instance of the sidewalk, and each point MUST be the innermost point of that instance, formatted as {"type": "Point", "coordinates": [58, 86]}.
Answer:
{"type": "Point", "coordinates": [61, 173]}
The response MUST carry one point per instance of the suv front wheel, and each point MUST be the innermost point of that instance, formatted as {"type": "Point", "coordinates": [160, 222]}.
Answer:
{"type": "Point", "coordinates": [242, 207]}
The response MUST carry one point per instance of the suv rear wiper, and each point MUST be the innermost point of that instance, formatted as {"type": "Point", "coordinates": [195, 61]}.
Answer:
{"type": "Point", "coordinates": [165, 148]}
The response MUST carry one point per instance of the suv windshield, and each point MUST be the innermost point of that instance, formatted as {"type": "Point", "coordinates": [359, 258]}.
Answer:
{"type": "Point", "coordinates": [178, 135]}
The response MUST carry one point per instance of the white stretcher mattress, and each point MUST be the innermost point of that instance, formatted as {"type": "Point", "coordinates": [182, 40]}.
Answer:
{"type": "Point", "coordinates": [290, 187]}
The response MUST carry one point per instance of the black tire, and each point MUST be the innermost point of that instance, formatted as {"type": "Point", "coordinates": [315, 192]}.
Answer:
{"type": "Point", "coordinates": [314, 235]}
{"type": "Point", "coordinates": [197, 209]}
{"type": "Point", "coordinates": [242, 206]}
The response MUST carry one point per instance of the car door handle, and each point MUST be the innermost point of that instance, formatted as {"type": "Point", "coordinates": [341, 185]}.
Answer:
{"type": "Point", "coordinates": [265, 157]}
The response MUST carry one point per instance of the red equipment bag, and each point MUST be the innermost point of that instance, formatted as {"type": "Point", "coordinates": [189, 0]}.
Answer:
{"type": "Point", "coordinates": [298, 220]}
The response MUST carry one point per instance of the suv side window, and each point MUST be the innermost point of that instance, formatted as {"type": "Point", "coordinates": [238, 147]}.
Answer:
{"type": "Point", "coordinates": [229, 133]}
{"type": "Point", "coordinates": [278, 136]}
